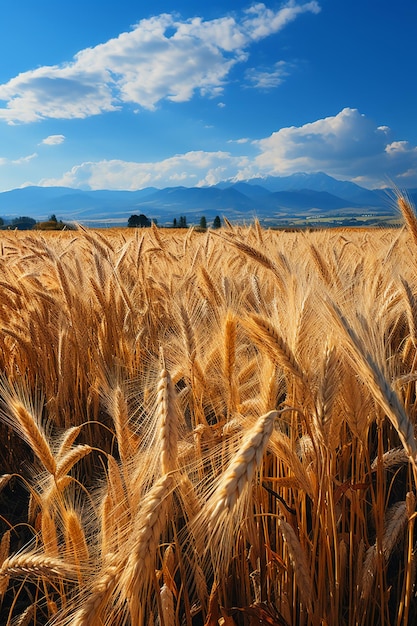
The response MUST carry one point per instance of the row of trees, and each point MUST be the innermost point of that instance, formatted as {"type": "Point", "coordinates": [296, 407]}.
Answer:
{"type": "Point", "coordinates": [28, 223]}
{"type": "Point", "coordinates": [216, 222]}
{"type": "Point", "coordinates": [141, 221]}
{"type": "Point", "coordinates": [134, 221]}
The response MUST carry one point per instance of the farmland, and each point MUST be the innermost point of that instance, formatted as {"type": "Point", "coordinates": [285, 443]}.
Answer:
{"type": "Point", "coordinates": [204, 428]}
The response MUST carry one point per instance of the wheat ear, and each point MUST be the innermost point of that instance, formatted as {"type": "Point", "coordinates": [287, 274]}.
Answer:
{"type": "Point", "coordinates": [4, 546]}
{"type": "Point", "coordinates": [91, 611]}
{"type": "Point", "coordinates": [33, 434]}
{"type": "Point", "coordinates": [152, 518]}
{"type": "Point", "coordinates": [167, 606]}
{"type": "Point", "coordinates": [67, 439]}
{"type": "Point", "coordinates": [70, 458]}
{"type": "Point", "coordinates": [120, 415]}
{"type": "Point", "coordinates": [213, 294]}
{"type": "Point", "coordinates": [321, 265]}
{"type": "Point", "coordinates": [49, 533]}
{"type": "Point", "coordinates": [270, 341]}
{"type": "Point", "coordinates": [148, 526]}
{"type": "Point", "coordinates": [126, 574]}
{"type": "Point", "coordinates": [26, 617]}
{"type": "Point", "coordinates": [395, 521]}
{"type": "Point", "coordinates": [4, 554]}
{"type": "Point", "coordinates": [230, 360]}
{"type": "Point", "coordinates": [299, 563]}
{"type": "Point", "coordinates": [36, 565]}
{"type": "Point", "coordinates": [241, 467]}
{"type": "Point", "coordinates": [167, 420]}
{"type": "Point", "coordinates": [76, 537]}
{"type": "Point", "coordinates": [409, 216]}
{"type": "Point", "coordinates": [257, 256]}
{"type": "Point", "coordinates": [378, 384]}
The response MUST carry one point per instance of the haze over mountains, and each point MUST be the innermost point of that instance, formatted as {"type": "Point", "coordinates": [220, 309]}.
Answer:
{"type": "Point", "coordinates": [273, 200]}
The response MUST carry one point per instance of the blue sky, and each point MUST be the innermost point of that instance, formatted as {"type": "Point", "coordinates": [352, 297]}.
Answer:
{"type": "Point", "coordinates": [125, 95]}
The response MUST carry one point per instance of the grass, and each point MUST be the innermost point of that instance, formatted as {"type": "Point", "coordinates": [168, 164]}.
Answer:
{"type": "Point", "coordinates": [205, 428]}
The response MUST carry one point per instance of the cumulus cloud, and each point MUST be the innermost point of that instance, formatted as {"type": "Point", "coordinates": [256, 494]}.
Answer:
{"type": "Point", "coordinates": [196, 168]}
{"type": "Point", "coordinates": [56, 92]}
{"type": "Point", "coordinates": [160, 58]}
{"type": "Point", "coordinates": [53, 140]}
{"type": "Point", "coordinates": [348, 146]}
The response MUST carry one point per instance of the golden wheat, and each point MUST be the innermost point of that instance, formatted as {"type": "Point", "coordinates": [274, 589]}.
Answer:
{"type": "Point", "coordinates": [186, 412]}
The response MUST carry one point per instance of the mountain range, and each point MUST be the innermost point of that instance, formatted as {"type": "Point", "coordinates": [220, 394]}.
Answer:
{"type": "Point", "coordinates": [272, 200]}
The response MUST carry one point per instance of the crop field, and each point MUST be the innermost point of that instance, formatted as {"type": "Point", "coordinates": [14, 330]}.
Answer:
{"type": "Point", "coordinates": [208, 428]}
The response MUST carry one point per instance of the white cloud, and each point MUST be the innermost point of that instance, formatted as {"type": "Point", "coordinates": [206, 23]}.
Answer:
{"type": "Point", "coordinates": [160, 58]}
{"type": "Point", "coordinates": [262, 22]}
{"type": "Point", "coordinates": [56, 92]}
{"type": "Point", "coordinates": [242, 140]}
{"type": "Point", "coordinates": [348, 146]}
{"type": "Point", "coordinates": [195, 168]}
{"type": "Point", "coordinates": [25, 159]}
{"type": "Point", "coordinates": [53, 140]}
{"type": "Point", "coordinates": [267, 78]}
{"type": "Point", "coordinates": [397, 147]}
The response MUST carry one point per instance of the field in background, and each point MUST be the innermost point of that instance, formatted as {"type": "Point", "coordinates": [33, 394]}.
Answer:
{"type": "Point", "coordinates": [208, 428]}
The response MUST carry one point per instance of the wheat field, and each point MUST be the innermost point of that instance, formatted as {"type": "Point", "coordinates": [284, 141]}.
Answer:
{"type": "Point", "coordinates": [208, 428]}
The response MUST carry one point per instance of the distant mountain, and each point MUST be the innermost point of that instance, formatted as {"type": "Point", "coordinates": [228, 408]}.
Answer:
{"type": "Point", "coordinates": [309, 199]}
{"type": "Point", "coordinates": [270, 199]}
{"type": "Point", "coordinates": [320, 182]}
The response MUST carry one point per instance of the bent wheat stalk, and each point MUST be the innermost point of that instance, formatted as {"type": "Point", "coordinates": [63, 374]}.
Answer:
{"type": "Point", "coordinates": [270, 341]}
{"type": "Point", "coordinates": [408, 215]}
{"type": "Point", "coordinates": [377, 382]}
{"type": "Point", "coordinates": [26, 424]}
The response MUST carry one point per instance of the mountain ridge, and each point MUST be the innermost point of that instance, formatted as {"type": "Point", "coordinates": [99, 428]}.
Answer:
{"type": "Point", "coordinates": [269, 199]}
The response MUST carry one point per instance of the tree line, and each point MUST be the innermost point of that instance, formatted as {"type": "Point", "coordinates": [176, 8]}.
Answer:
{"type": "Point", "coordinates": [142, 221]}
{"type": "Point", "coordinates": [24, 222]}
{"type": "Point", "coordinates": [134, 221]}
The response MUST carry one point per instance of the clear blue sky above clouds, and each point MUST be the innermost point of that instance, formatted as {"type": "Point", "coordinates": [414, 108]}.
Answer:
{"type": "Point", "coordinates": [123, 95]}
